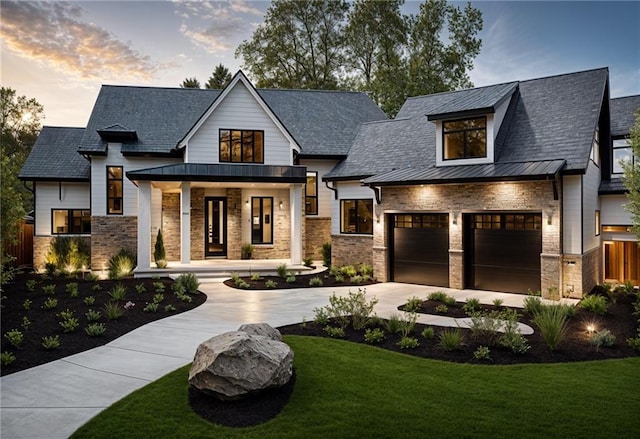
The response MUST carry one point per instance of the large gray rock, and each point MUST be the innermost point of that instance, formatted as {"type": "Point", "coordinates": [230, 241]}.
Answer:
{"type": "Point", "coordinates": [235, 364]}
{"type": "Point", "coordinates": [261, 329]}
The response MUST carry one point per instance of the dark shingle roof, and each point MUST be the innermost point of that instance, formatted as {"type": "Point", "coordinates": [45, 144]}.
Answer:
{"type": "Point", "coordinates": [550, 118]}
{"type": "Point", "coordinates": [623, 114]}
{"type": "Point", "coordinates": [613, 186]}
{"type": "Point", "coordinates": [484, 99]}
{"type": "Point", "coordinates": [54, 156]}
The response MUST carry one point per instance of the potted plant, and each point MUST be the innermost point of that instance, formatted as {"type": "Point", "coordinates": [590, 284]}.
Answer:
{"type": "Point", "coordinates": [247, 250]}
{"type": "Point", "coordinates": [158, 253]}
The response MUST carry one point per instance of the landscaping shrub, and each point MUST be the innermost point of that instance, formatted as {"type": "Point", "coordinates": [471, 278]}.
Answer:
{"type": "Point", "coordinates": [393, 324]}
{"type": "Point", "coordinates": [151, 307]}
{"type": "Point", "coordinates": [70, 325]}
{"type": "Point", "coordinates": [14, 337]}
{"type": "Point", "coordinates": [320, 316]}
{"type": "Point", "coordinates": [291, 278]}
{"type": "Point", "coordinates": [89, 300]}
{"type": "Point", "coordinates": [366, 270]}
{"type": "Point", "coordinates": [349, 271]}
{"type": "Point", "coordinates": [50, 303]}
{"type": "Point", "coordinates": [307, 262]}
{"type": "Point", "coordinates": [93, 315]}
{"type": "Point", "coordinates": [373, 336]}
{"type": "Point", "coordinates": [428, 332]}
{"type": "Point", "coordinates": [498, 303]}
{"type": "Point", "coordinates": [270, 284]}
{"type": "Point", "coordinates": [72, 289]}
{"type": "Point", "coordinates": [482, 353]}
{"type": "Point", "coordinates": [354, 309]}
{"type": "Point", "coordinates": [442, 309]}
{"type": "Point", "coordinates": [113, 311]}
{"type": "Point", "coordinates": [6, 358]}
{"type": "Point", "coordinates": [414, 304]}
{"type": "Point", "coordinates": [552, 322]}
{"type": "Point", "coordinates": [408, 323]}
{"type": "Point", "coordinates": [334, 332]}
{"type": "Point", "coordinates": [315, 282]}
{"type": "Point", "coordinates": [68, 253]}
{"type": "Point", "coordinates": [532, 305]}
{"type": "Point", "coordinates": [326, 254]}
{"type": "Point", "coordinates": [159, 255]}
{"type": "Point", "coordinates": [595, 304]}
{"type": "Point", "coordinates": [408, 343]}
{"type": "Point", "coordinates": [451, 339]}
{"type": "Point", "coordinates": [486, 327]}
{"type": "Point", "coordinates": [189, 282]}
{"type": "Point", "coordinates": [512, 338]}
{"type": "Point", "coordinates": [95, 329]}
{"type": "Point", "coordinates": [121, 264]}
{"type": "Point", "coordinates": [602, 338]}
{"type": "Point", "coordinates": [140, 289]}
{"type": "Point", "coordinates": [49, 290]}
{"type": "Point", "coordinates": [282, 271]}
{"type": "Point", "coordinates": [118, 292]}
{"type": "Point", "coordinates": [471, 306]}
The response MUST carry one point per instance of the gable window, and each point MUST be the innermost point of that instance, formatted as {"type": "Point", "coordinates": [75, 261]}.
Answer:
{"type": "Point", "coordinates": [356, 216]}
{"type": "Point", "coordinates": [595, 150]}
{"type": "Point", "coordinates": [114, 190]}
{"type": "Point", "coordinates": [262, 220]}
{"type": "Point", "coordinates": [70, 221]}
{"type": "Point", "coordinates": [241, 146]}
{"type": "Point", "coordinates": [622, 152]}
{"type": "Point", "coordinates": [311, 194]}
{"type": "Point", "coordinates": [465, 139]}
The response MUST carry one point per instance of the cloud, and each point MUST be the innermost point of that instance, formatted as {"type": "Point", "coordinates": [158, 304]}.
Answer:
{"type": "Point", "coordinates": [54, 33]}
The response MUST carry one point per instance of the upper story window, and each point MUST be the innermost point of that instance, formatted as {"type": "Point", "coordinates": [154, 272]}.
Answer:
{"type": "Point", "coordinates": [311, 194]}
{"type": "Point", "coordinates": [595, 151]}
{"type": "Point", "coordinates": [241, 146]}
{"type": "Point", "coordinates": [622, 152]}
{"type": "Point", "coordinates": [464, 139]}
{"type": "Point", "coordinates": [70, 221]}
{"type": "Point", "coordinates": [114, 190]}
{"type": "Point", "coordinates": [356, 216]}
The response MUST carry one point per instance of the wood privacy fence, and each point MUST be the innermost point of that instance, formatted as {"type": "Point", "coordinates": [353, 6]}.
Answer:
{"type": "Point", "coordinates": [23, 249]}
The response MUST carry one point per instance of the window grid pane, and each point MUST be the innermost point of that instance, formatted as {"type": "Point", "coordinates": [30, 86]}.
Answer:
{"type": "Point", "coordinates": [356, 216]}
{"type": "Point", "coordinates": [241, 146]}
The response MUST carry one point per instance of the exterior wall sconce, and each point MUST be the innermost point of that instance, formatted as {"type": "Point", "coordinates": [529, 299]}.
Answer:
{"type": "Point", "coordinates": [247, 202]}
{"type": "Point", "coordinates": [550, 219]}
{"type": "Point", "coordinates": [571, 263]}
{"type": "Point", "coordinates": [280, 205]}
{"type": "Point", "coordinates": [455, 217]}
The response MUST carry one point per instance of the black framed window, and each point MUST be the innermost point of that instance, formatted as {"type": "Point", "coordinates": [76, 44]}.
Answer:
{"type": "Point", "coordinates": [114, 190]}
{"type": "Point", "coordinates": [622, 152]}
{"type": "Point", "coordinates": [70, 221]}
{"type": "Point", "coordinates": [464, 139]}
{"type": "Point", "coordinates": [522, 221]}
{"type": "Point", "coordinates": [422, 221]}
{"type": "Point", "coordinates": [356, 216]}
{"type": "Point", "coordinates": [311, 194]}
{"type": "Point", "coordinates": [241, 146]}
{"type": "Point", "coordinates": [261, 220]}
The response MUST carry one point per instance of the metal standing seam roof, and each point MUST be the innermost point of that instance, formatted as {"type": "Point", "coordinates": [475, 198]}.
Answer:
{"type": "Point", "coordinates": [612, 187]}
{"type": "Point", "coordinates": [222, 173]}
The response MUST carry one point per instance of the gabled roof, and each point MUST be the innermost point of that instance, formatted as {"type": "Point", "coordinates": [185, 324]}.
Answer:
{"type": "Point", "coordinates": [623, 114]}
{"type": "Point", "coordinates": [480, 100]}
{"type": "Point", "coordinates": [551, 118]}
{"type": "Point", "coordinates": [54, 156]}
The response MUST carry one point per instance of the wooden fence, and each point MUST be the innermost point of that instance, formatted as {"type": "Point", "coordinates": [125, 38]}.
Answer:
{"type": "Point", "coordinates": [23, 249]}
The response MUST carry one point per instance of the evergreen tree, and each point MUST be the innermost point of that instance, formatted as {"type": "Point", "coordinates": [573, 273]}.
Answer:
{"type": "Point", "coordinates": [219, 78]}
{"type": "Point", "coordinates": [190, 83]}
{"type": "Point", "coordinates": [631, 176]}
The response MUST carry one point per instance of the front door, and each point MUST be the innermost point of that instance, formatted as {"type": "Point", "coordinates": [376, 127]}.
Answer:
{"type": "Point", "coordinates": [215, 226]}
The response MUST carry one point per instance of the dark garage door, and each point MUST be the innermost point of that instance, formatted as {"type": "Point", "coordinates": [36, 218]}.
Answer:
{"type": "Point", "coordinates": [420, 252]}
{"type": "Point", "coordinates": [502, 252]}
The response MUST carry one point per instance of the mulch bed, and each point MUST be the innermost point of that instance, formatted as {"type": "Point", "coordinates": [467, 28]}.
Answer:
{"type": "Point", "coordinates": [302, 281]}
{"type": "Point", "coordinates": [46, 322]}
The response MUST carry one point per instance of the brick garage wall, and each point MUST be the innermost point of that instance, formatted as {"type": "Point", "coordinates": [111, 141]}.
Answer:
{"type": "Point", "coordinates": [109, 234]}
{"type": "Point", "coordinates": [197, 224]}
{"type": "Point", "coordinates": [351, 250]}
{"type": "Point", "coordinates": [170, 226]}
{"type": "Point", "coordinates": [318, 231]}
{"type": "Point", "coordinates": [234, 223]}
{"type": "Point", "coordinates": [583, 274]}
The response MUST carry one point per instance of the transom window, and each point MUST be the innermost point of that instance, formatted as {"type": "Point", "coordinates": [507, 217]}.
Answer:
{"type": "Point", "coordinates": [422, 221]}
{"type": "Point", "coordinates": [262, 220]}
{"type": "Point", "coordinates": [622, 152]}
{"type": "Point", "coordinates": [241, 146]}
{"type": "Point", "coordinates": [114, 190]}
{"type": "Point", "coordinates": [311, 194]}
{"type": "Point", "coordinates": [524, 221]}
{"type": "Point", "coordinates": [465, 139]}
{"type": "Point", "coordinates": [70, 221]}
{"type": "Point", "coordinates": [356, 216]}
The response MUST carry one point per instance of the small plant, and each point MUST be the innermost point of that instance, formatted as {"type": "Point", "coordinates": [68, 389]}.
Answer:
{"type": "Point", "coordinates": [357, 279]}
{"type": "Point", "coordinates": [96, 287]}
{"type": "Point", "coordinates": [339, 278]}
{"type": "Point", "coordinates": [373, 336]}
{"type": "Point", "coordinates": [118, 292]}
{"type": "Point", "coordinates": [89, 300]}
{"type": "Point", "coordinates": [498, 303]}
{"type": "Point", "coordinates": [393, 323]}
{"type": "Point", "coordinates": [471, 306]}
{"type": "Point", "coordinates": [366, 270]}
{"type": "Point", "coordinates": [72, 289]}
{"type": "Point", "coordinates": [31, 285]}
{"type": "Point", "coordinates": [307, 262]}
{"type": "Point", "coordinates": [414, 304]}
{"type": "Point", "coordinates": [282, 271]}
{"type": "Point", "coordinates": [512, 338]}
{"type": "Point", "coordinates": [334, 332]}
{"type": "Point", "coordinates": [92, 277]}
{"type": "Point", "coordinates": [27, 304]}
{"type": "Point", "coordinates": [93, 315]}
{"type": "Point", "coordinates": [442, 309]}
{"type": "Point", "coordinates": [407, 323]}
{"type": "Point", "coordinates": [140, 289]}
{"type": "Point", "coordinates": [270, 284]}
{"type": "Point", "coordinates": [158, 287]}
{"type": "Point", "coordinates": [49, 290]}
{"type": "Point", "coordinates": [291, 278]}
{"type": "Point", "coordinates": [50, 303]}
{"type": "Point", "coordinates": [95, 329]}
{"type": "Point", "coordinates": [243, 285]}
{"type": "Point", "coordinates": [349, 270]}
{"type": "Point", "coordinates": [326, 254]}
{"type": "Point", "coordinates": [532, 305]}
{"type": "Point", "coordinates": [482, 353]}
{"type": "Point", "coordinates": [552, 322]}
{"type": "Point", "coordinates": [486, 328]}
{"type": "Point", "coordinates": [256, 277]}
{"type": "Point", "coordinates": [320, 316]}
{"type": "Point", "coordinates": [184, 297]}
{"type": "Point", "coordinates": [315, 282]}
{"type": "Point", "coordinates": [159, 254]}
{"type": "Point", "coordinates": [6, 358]}
{"type": "Point", "coordinates": [451, 339]}
{"type": "Point", "coordinates": [66, 314]}
{"type": "Point", "coordinates": [151, 307]}
{"type": "Point", "coordinates": [169, 308]}
{"type": "Point", "coordinates": [441, 296]}
{"type": "Point", "coordinates": [70, 325]}
{"type": "Point", "coordinates": [51, 342]}
{"type": "Point", "coordinates": [408, 343]}
{"type": "Point", "coordinates": [26, 323]}
{"type": "Point", "coordinates": [189, 282]}
{"type": "Point", "coordinates": [595, 304]}
{"type": "Point", "coordinates": [129, 305]}
{"type": "Point", "coordinates": [15, 338]}
{"type": "Point", "coordinates": [113, 310]}
{"type": "Point", "coordinates": [634, 342]}
{"type": "Point", "coordinates": [157, 298]}
{"type": "Point", "coordinates": [602, 338]}
{"type": "Point", "coordinates": [247, 250]}
{"type": "Point", "coordinates": [428, 333]}
{"type": "Point", "coordinates": [121, 264]}
{"type": "Point", "coordinates": [333, 270]}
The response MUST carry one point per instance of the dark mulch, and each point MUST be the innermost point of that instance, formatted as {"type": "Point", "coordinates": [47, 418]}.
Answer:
{"type": "Point", "coordinates": [302, 281]}
{"type": "Point", "coordinates": [46, 322]}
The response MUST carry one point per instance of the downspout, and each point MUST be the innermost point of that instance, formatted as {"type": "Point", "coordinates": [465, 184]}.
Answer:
{"type": "Point", "coordinates": [335, 190]}
{"type": "Point", "coordinates": [378, 193]}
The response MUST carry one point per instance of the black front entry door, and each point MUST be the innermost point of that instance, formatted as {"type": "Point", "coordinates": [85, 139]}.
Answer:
{"type": "Point", "coordinates": [215, 226]}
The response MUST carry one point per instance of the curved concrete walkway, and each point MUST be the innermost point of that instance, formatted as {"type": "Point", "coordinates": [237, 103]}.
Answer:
{"type": "Point", "coordinates": [52, 400]}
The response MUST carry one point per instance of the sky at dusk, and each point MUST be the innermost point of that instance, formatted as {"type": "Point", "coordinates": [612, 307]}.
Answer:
{"type": "Point", "coordinates": [61, 52]}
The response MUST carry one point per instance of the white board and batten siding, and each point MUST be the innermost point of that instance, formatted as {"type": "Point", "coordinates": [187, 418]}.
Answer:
{"type": "Point", "coordinates": [238, 111]}
{"type": "Point", "coordinates": [613, 211]}
{"type": "Point", "coordinates": [572, 214]}
{"type": "Point", "coordinates": [325, 196]}
{"type": "Point", "coordinates": [347, 190]}
{"type": "Point", "coordinates": [51, 195]}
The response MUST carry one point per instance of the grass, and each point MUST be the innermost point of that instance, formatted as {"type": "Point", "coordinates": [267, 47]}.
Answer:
{"type": "Point", "coordinates": [351, 391]}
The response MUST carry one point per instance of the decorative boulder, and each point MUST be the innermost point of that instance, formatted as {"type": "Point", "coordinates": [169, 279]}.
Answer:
{"type": "Point", "coordinates": [261, 329]}
{"type": "Point", "coordinates": [236, 364]}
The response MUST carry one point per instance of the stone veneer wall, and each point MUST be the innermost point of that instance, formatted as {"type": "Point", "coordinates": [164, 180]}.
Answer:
{"type": "Point", "coordinates": [197, 224]}
{"type": "Point", "coordinates": [109, 234]}
{"type": "Point", "coordinates": [234, 223]}
{"type": "Point", "coordinates": [317, 231]}
{"type": "Point", "coordinates": [170, 226]}
{"type": "Point", "coordinates": [41, 248]}
{"type": "Point", "coordinates": [281, 247]}
{"type": "Point", "coordinates": [583, 275]}
{"type": "Point", "coordinates": [472, 198]}
{"type": "Point", "coordinates": [352, 250]}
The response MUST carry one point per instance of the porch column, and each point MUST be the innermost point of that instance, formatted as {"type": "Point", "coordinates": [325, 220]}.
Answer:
{"type": "Point", "coordinates": [185, 223]}
{"type": "Point", "coordinates": [144, 224]}
{"type": "Point", "coordinates": [295, 201]}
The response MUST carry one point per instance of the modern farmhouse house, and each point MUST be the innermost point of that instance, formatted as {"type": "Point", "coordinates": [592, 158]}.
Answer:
{"type": "Point", "coordinates": [512, 187]}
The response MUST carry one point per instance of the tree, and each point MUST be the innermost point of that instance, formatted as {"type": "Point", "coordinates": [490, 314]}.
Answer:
{"type": "Point", "coordinates": [631, 176]}
{"type": "Point", "coordinates": [219, 78]}
{"type": "Point", "coordinates": [299, 45]}
{"type": "Point", "coordinates": [190, 83]}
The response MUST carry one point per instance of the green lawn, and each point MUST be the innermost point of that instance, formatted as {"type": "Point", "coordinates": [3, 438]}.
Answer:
{"type": "Point", "coordinates": [346, 390]}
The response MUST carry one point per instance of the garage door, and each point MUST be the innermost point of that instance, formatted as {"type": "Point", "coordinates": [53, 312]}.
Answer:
{"type": "Point", "coordinates": [420, 251]}
{"type": "Point", "coordinates": [502, 252]}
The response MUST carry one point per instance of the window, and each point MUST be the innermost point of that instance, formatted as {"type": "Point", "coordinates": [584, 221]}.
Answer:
{"type": "Point", "coordinates": [311, 194]}
{"type": "Point", "coordinates": [114, 190]}
{"type": "Point", "coordinates": [622, 152]}
{"type": "Point", "coordinates": [357, 216]}
{"type": "Point", "coordinates": [595, 151]}
{"type": "Point", "coordinates": [262, 220]}
{"type": "Point", "coordinates": [422, 221]}
{"type": "Point", "coordinates": [465, 139]}
{"type": "Point", "coordinates": [597, 223]}
{"type": "Point", "coordinates": [523, 221]}
{"type": "Point", "coordinates": [70, 221]}
{"type": "Point", "coordinates": [241, 146]}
